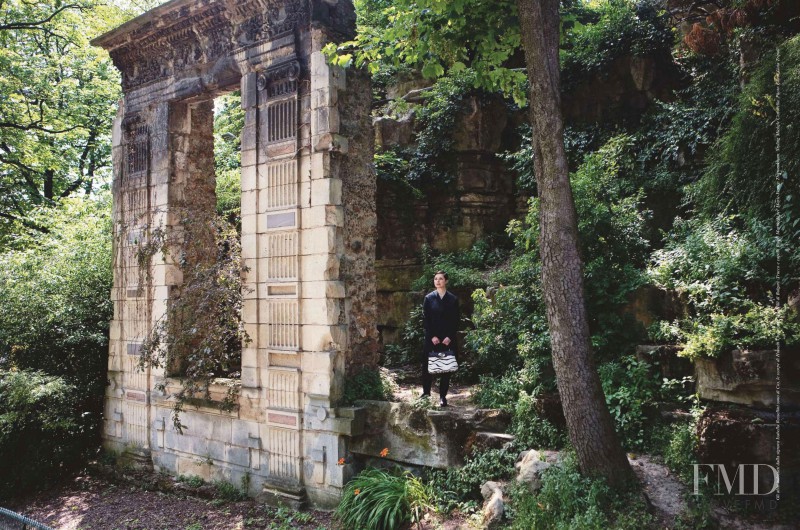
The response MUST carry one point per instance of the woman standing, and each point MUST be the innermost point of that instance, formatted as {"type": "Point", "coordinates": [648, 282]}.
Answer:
{"type": "Point", "coordinates": [441, 318]}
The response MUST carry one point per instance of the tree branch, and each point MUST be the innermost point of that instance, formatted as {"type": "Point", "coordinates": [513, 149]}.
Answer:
{"type": "Point", "coordinates": [37, 25]}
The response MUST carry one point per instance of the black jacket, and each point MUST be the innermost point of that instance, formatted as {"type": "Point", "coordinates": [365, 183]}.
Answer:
{"type": "Point", "coordinates": [441, 318]}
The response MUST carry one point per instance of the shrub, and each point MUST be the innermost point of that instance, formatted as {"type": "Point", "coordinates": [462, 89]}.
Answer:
{"type": "Point", "coordinates": [55, 288]}
{"type": "Point", "coordinates": [370, 384]}
{"type": "Point", "coordinates": [531, 430]}
{"type": "Point", "coordinates": [570, 500]}
{"type": "Point", "coordinates": [723, 266]}
{"type": "Point", "coordinates": [46, 429]}
{"type": "Point", "coordinates": [382, 500]}
{"type": "Point", "coordinates": [456, 486]}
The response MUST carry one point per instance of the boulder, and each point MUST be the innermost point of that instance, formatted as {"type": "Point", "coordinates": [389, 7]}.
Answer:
{"type": "Point", "coordinates": [531, 465]}
{"type": "Point", "coordinates": [493, 506]}
{"type": "Point", "coordinates": [393, 132]}
{"type": "Point", "coordinates": [747, 377]}
{"type": "Point", "coordinates": [482, 441]}
{"type": "Point", "coordinates": [432, 438]}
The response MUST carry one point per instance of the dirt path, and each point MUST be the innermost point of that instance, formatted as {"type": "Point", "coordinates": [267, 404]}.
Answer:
{"type": "Point", "coordinates": [91, 502]}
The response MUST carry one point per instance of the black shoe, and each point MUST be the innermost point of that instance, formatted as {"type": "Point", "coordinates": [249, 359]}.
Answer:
{"type": "Point", "coordinates": [442, 402]}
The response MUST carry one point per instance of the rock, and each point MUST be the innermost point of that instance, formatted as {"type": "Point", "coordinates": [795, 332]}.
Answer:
{"type": "Point", "coordinates": [433, 438]}
{"type": "Point", "coordinates": [489, 488]}
{"type": "Point", "coordinates": [488, 440]}
{"type": "Point", "coordinates": [531, 465]}
{"type": "Point", "coordinates": [391, 132]}
{"type": "Point", "coordinates": [494, 507]}
{"type": "Point", "coordinates": [480, 127]}
{"type": "Point", "coordinates": [747, 378]}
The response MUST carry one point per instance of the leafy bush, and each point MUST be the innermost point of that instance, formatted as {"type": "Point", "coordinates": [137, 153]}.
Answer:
{"type": "Point", "coordinates": [55, 288]}
{"type": "Point", "coordinates": [382, 500]}
{"type": "Point", "coordinates": [609, 31]}
{"type": "Point", "coordinates": [723, 266]}
{"type": "Point", "coordinates": [47, 428]}
{"type": "Point", "coordinates": [741, 171]}
{"type": "Point", "coordinates": [531, 430]}
{"type": "Point", "coordinates": [369, 384]}
{"type": "Point", "coordinates": [570, 500]}
{"type": "Point", "coordinates": [456, 486]}
{"type": "Point", "coordinates": [631, 388]}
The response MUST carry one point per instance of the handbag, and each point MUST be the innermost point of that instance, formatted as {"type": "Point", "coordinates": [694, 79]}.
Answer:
{"type": "Point", "coordinates": [443, 362]}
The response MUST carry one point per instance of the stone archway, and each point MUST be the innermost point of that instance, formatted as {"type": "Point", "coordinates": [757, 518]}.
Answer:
{"type": "Point", "coordinates": [308, 234]}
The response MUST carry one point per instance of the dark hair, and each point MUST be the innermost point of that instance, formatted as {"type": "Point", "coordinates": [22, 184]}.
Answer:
{"type": "Point", "coordinates": [435, 274]}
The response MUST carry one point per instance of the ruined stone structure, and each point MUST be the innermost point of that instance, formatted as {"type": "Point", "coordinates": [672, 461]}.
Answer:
{"type": "Point", "coordinates": [308, 222]}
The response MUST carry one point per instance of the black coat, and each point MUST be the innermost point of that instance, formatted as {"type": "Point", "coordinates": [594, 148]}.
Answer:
{"type": "Point", "coordinates": [441, 317]}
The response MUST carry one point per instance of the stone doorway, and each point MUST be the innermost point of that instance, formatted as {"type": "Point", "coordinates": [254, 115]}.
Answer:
{"type": "Point", "coordinates": [307, 234]}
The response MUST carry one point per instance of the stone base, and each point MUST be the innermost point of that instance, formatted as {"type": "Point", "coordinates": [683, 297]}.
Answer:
{"type": "Point", "coordinates": [274, 496]}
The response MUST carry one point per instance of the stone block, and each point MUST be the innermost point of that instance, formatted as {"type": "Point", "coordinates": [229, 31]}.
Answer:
{"type": "Point", "coordinates": [324, 97]}
{"type": "Point", "coordinates": [322, 289]}
{"type": "Point", "coordinates": [317, 383]}
{"type": "Point", "coordinates": [250, 378]}
{"type": "Point", "coordinates": [238, 456]}
{"type": "Point", "coordinates": [249, 246]}
{"type": "Point", "coordinates": [320, 311]}
{"type": "Point", "coordinates": [249, 202]}
{"type": "Point", "coordinates": [249, 224]}
{"type": "Point", "coordinates": [250, 311]}
{"type": "Point", "coordinates": [321, 362]}
{"type": "Point", "coordinates": [248, 89]}
{"type": "Point", "coordinates": [249, 179]}
{"type": "Point", "coordinates": [320, 165]}
{"type": "Point", "coordinates": [319, 338]}
{"type": "Point", "coordinates": [321, 241]}
{"type": "Point", "coordinates": [326, 191]}
{"type": "Point", "coordinates": [248, 155]}
{"type": "Point", "coordinates": [325, 215]}
{"type": "Point", "coordinates": [116, 129]}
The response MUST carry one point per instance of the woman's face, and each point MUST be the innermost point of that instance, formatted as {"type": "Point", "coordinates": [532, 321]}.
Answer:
{"type": "Point", "coordinates": [439, 281]}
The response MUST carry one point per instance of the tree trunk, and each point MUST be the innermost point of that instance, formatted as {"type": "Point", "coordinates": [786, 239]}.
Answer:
{"type": "Point", "coordinates": [590, 426]}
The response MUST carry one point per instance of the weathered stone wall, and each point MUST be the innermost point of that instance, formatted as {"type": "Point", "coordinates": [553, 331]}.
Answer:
{"type": "Point", "coordinates": [308, 237]}
{"type": "Point", "coordinates": [481, 201]}
{"type": "Point", "coordinates": [360, 221]}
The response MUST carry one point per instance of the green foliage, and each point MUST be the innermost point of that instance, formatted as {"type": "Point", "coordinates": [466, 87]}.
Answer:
{"type": "Point", "coordinates": [369, 384]}
{"type": "Point", "coordinates": [46, 429]}
{"type": "Point", "coordinates": [569, 500]}
{"type": "Point", "coordinates": [510, 323]}
{"type": "Point", "coordinates": [200, 345]}
{"type": "Point", "coordinates": [531, 430]}
{"type": "Point", "coordinates": [438, 38]}
{"type": "Point", "coordinates": [723, 266]}
{"type": "Point", "coordinates": [193, 481]}
{"type": "Point", "coordinates": [54, 294]}
{"type": "Point", "coordinates": [57, 96]}
{"type": "Point", "coordinates": [382, 500]}
{"type": "Point", "coordinates": [461, 486]}
{"type": "Point", "coordinates": [598, 35]}
{"type": "Point", "coordinates": [466, 269]}
{"type": "Point", "coordinates": [228, 125]}
{"type": "Point", "coordinates": [741, 171]}
{"type": "Point", "coordinates": [227, 492]}
{"type": "Point", "coordinates": [427, 165]}
{"type": "Point", "coordinates": [631, 388]}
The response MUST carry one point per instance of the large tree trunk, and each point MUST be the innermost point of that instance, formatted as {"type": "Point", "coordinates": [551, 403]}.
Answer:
{"type": "Point", "coordinates": [591, 429]}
